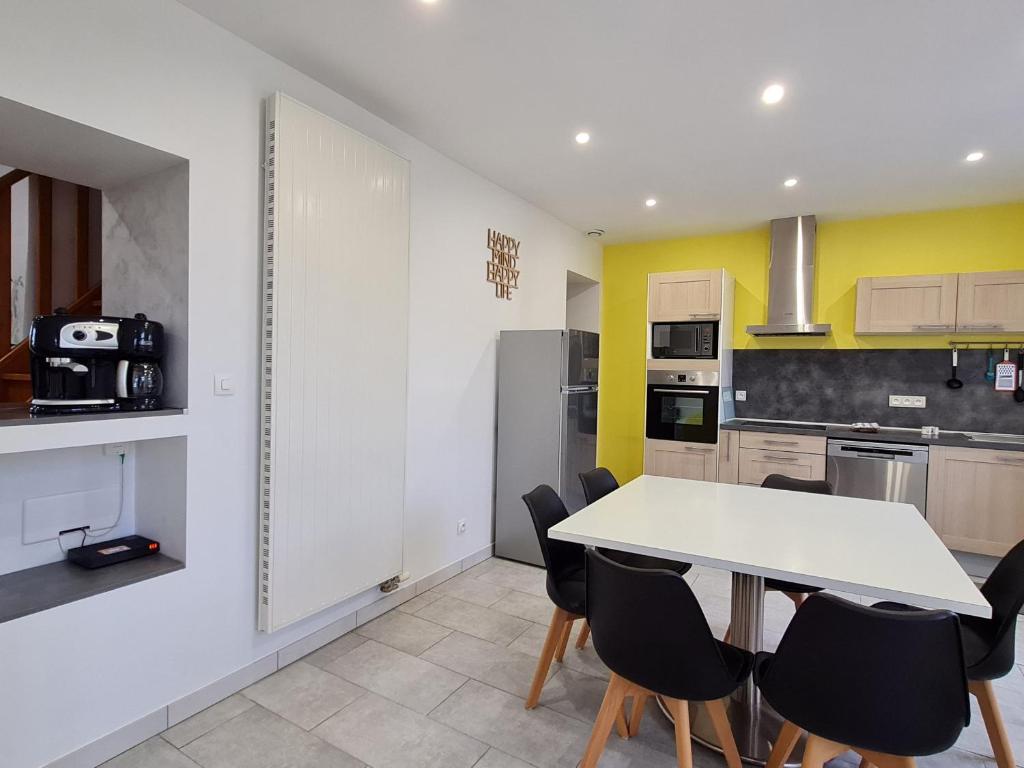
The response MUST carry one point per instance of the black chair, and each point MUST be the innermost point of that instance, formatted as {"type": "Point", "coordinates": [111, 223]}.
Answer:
{"type": "Point", "coordinates": [598, 483]}
{"type": "Point", "coordinates": [795, 592]}
{"type": "Point", "coordinates": [649, 629]}
{"type": "Point", "coordinates": [890, 685]}
{"type": "Point", "coordinates": [566, 567]}
{"type": "Point", "coordinates": [990, 645]}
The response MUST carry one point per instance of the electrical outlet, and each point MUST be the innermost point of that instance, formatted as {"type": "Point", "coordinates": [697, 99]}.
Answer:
{"type": "Point", "coordinates": [460, 526]}
{"type": "Point", "coordinates": [741, 395]}
{"type": "Point", "coordinates": [907, 401]}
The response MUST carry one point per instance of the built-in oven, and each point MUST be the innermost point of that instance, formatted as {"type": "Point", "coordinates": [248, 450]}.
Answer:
{"type": "Point", "coordinates": [682, 405]}
{"type": "Point", "coordinates": [684, 341]}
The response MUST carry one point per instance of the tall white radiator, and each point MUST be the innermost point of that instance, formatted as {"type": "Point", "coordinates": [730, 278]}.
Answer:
{"type": "Point", "coordinates": [334, 363]}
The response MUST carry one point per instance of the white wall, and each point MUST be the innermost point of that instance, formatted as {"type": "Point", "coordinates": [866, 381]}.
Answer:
{"type": "Point", "coordinates": [70, 487]}
{"type": "Point", "coordinates": [154, 72]}
{"type": "Point", "coordinates": [582, 304]}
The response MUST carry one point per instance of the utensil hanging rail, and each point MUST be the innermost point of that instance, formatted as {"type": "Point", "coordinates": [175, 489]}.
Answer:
{"type": "Point", "coordinates": [1015, 344]}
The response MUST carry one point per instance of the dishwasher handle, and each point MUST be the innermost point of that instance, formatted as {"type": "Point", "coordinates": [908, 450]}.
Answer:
{"type": "Point", "coordinates": [903, 453]}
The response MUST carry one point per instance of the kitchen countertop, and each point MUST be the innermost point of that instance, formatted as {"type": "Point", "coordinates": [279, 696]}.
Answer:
{"type": "Point", "coordinates": [884, 434]}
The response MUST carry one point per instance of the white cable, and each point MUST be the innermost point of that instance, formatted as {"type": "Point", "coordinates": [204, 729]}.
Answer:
{"type": "Point", "coordinates": [120, 510]}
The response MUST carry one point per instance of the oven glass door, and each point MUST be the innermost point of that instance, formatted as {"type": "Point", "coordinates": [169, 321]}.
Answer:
{"type": "Point", "coordinates": [688, 414]}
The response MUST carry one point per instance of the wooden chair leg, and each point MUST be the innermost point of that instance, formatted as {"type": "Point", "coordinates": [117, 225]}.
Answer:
{"type": "Point", "coordinates": [620, 722]}
{"type": "Point", "coordinates": [720, 721]}
{"type": "Point", "coordinates": [993, 717]}
{"type": "Point", "coordinates": [639, 702]}
{"type": "Point", "coordinates": [563, 641]}
{"type": "Point", "coordinates": [882, 760]}
{"type": "Point", "coordinates": [818, 751]}
{"type": "Point", "coordinates": [581, 641]}
{"type": "Point", "coordinates": [728, 634]}
{"type": "Point", "coordinates": [680, 711]}
{"type": "Point", "coordinates": [611, 707]}
{"type": "Point", "coordinates": [797, 598]}
{"type": "Point", "coordinates": [788, 736]}
{"type": "Point", "coordinates": [556, 629]}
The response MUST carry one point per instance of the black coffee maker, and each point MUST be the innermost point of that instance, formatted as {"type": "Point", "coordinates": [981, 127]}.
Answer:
{"type": "Point", "coordinates": [86, 364]}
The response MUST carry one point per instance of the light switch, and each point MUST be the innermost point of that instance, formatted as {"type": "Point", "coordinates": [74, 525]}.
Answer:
{"type": "Point", "coordinates": [223, 384]}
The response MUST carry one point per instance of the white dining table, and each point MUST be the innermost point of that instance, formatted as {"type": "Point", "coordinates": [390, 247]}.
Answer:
{"type": "Point", "coordinates": [878, 549]}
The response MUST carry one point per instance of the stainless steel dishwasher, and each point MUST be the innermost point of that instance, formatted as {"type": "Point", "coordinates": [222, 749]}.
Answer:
{"type": "Point", "coordinates": [875, 470]}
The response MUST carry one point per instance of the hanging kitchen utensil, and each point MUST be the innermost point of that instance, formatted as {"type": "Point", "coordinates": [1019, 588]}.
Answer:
{"type": "Point", "coordinates": [953, 382]}
{"type": "Point", "coordinates": [990, 368]}
{"type": "Point", "coordinates": [1018, 395]}
{"type": "Point", "coordinates": [1006, 374]}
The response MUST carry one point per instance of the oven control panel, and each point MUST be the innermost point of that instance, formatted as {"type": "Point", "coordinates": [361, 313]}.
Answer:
{"type": "Point", "coordinates": [695, 378]}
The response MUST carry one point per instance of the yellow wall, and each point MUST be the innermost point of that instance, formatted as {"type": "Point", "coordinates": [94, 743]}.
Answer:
{"type": "Point", "coordinates": [960, 240]}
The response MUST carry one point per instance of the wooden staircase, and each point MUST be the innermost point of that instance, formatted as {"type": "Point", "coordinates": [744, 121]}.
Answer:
{"type": "Point", "coordinates": [15, 379]}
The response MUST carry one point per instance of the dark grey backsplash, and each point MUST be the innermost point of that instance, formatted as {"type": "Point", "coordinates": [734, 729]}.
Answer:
{"type": "Point", "coordinates": [848, 385]}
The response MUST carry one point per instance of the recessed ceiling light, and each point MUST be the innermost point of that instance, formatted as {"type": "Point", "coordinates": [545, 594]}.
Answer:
{"type": "Point", "coordinates": [428, 2]}
{"type": "Point", "coordinates": [582, 137]}
{"type": "Point", "coordinates": [650, 202]}
{"type": "Point", "coordinates": [790, 183]}
{"type": "Point", "coordinates": [974, 157]}
{"type": "Point", "coordinates": [773, 94]}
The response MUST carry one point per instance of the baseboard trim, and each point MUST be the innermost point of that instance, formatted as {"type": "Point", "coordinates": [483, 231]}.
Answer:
{"type": "Point", "coordinates": [115, 743]}
{"type": "Point", "coordinates": [208, 695]}
{"type": "Point", "coordinates": [133, 734]}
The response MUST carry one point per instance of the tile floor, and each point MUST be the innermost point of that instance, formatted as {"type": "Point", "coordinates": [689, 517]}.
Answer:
{"type": "Point", "coordinates": [440, 682]}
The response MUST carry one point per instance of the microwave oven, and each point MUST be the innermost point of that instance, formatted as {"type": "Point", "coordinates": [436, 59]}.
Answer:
{"type": "Point", "coordinates": [684, 341]}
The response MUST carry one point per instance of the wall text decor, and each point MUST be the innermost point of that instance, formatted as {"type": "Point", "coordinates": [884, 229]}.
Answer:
{"type": "Point", "coordinates": [503, 266]}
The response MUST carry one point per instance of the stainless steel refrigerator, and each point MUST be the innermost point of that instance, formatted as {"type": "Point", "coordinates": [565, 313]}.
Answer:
{"type": "Point", "coordinates": [547, 428]}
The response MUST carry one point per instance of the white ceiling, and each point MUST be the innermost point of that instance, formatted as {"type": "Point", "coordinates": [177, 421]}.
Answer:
{"type": "Point", "coordinates": [883, 100]}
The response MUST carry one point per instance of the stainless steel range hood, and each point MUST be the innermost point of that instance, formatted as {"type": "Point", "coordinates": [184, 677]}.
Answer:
{"type": "Point", "coordinates": [791, 281]}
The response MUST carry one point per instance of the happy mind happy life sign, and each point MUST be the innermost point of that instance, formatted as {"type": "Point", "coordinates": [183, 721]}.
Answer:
{"type": "Point", "coordinates": [502, 267]}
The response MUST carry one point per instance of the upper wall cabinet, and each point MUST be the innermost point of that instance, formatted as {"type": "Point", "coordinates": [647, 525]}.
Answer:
{"type": "Point", "coordinates": [991, 302]}
{"type": "Point", "coordinates": [690, 295]}
{"type": "Point", "coordinates": [914, 304]}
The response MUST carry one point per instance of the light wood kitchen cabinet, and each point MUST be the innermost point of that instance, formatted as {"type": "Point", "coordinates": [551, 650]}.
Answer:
{"type": "Point", "coordinates": [728, 456]}
{"type": "Point", "coordinates": [689, 461]}
{"type": "Point", "coordinates": [976, 498]}
{"type": "Point", "coordinates": [911, 304]}
{"type": "Point", "coordinates": [685, 296]}
{"type": "Point", "coordinates": [779, 441]}
{"type": "Point", "coordinates": [768, 453]}
{"type": "Point", "coordinates": [757, 464]}
{"type": "Point", "coordinates": [990, 302]}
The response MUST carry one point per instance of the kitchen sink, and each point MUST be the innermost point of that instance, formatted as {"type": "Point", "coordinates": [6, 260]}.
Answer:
{"type": "Point", "coordinates": [983, 438]}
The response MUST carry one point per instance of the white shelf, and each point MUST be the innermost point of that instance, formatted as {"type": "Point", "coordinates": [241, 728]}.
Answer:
{"type": "Point", "coordinates": [72, 432]}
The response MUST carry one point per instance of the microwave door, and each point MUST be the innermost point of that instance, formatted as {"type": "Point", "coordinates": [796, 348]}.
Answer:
{"type": "Point", "coordinates": [683, 340]}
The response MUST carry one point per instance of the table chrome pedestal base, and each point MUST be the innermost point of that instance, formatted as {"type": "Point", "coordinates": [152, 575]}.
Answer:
{"type": "Point", "coordinates": [755, 732]}
{"type": "Point", "coordinates": [755, 725]}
